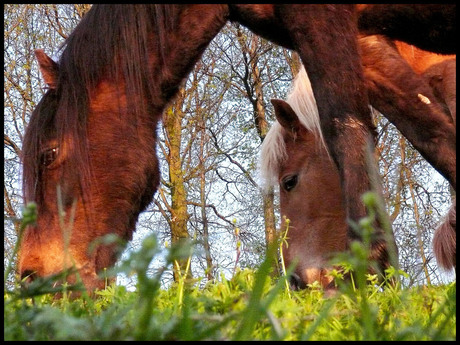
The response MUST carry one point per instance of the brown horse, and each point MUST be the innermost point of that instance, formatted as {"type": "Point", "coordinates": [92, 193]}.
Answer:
{"type": "Point", "coordinates": [310, 193]}
{"type": "Point", "coordinates": [89, 150]}
{"type": "Point", "coordinates": [294, 157]}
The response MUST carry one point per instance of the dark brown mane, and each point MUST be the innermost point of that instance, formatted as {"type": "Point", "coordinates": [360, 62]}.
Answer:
{"type": "Point", "coordinates": [105, 44]}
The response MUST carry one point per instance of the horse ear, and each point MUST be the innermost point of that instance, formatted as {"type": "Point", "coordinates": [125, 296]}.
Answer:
{"type": "Point", "coordinates": [285, 115]}
{"type": "Point", "coordinates": [48, 68]}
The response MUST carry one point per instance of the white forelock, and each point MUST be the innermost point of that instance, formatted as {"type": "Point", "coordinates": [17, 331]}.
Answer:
{"type": "Point", "coordinates": [273, 152]}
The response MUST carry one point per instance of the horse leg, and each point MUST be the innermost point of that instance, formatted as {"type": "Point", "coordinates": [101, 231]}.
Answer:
{"type": "Point", "coordinates": [442, 78]}
{"type": "Point", "coordinates": [197, 25]}
{"type": "Point", "coordinates": [325, 36]}
{"type": "Point", "coordinates": [408, 102]}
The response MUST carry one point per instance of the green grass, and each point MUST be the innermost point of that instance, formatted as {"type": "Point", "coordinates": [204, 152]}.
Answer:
{"type": "Point", "coordinates": [252, 305]}
{"type": "Point", "coordinates": [231, 309]}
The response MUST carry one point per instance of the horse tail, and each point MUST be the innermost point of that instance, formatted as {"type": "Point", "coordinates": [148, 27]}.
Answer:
{"type": "Point", "coordinates": [303, 102]}
{"type": "Point", "coordinates": [444, 240]}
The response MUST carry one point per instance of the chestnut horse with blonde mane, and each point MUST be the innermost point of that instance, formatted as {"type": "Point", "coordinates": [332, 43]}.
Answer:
{"type": "Point", "coordinates": [295, 157]}
{"type": "Point", "coordinates": [89, 149]}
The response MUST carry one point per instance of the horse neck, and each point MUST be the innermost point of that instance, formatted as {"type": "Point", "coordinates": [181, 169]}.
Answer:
{"type": "Point", "coordinates": [152, 47]}
{"type": "Point", "coordinates": [195, 27]}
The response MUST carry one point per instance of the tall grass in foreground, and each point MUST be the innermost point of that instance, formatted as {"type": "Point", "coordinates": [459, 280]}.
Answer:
{"type": "Point", "coordinates": [251, 305]}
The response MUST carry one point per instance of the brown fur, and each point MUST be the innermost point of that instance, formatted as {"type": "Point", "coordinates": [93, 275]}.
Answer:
{"type": "Point", "coordinates": [100, 98]}
{"type": "Point", "coordinates": [297, 152]}
{"type": "Point", "coordinates": [406, 98]}
{"type": "Point", "coordinates": [311, 209]}
{"type": "Point", "coordinates": [317, 225]}
{"type": "Point", "coordinates": [118, 70]}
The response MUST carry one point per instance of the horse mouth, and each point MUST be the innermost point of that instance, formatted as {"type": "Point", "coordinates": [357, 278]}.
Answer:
{"type": "Point", "coordinates": [310, 276]}
{"type": "Point", "coordinates": [28, 276]}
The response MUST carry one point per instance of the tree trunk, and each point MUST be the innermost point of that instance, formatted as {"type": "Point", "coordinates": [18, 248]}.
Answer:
{"type": "Point", "coordinates": [204, 218]}
{"type": "Point", "coordinates": [253, 85]}
{"type": "Point", "coordinates": [178, 207]}
{"type": "Point", "coordinates": [419, 226]}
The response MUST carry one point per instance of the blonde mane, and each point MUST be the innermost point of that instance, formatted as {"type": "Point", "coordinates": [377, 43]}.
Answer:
{"type": "Point", "coordinates": [273, 152]}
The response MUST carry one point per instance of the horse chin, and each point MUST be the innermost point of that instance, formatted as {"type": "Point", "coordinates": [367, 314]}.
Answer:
{"type": "Point", "coordinates": [75, 278]}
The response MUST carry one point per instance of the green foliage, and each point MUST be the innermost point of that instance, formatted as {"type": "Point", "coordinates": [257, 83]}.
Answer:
{"type": "Point", "coordinates": [251, 305]}
{"type": "Point", "coordinates": [241, 308]}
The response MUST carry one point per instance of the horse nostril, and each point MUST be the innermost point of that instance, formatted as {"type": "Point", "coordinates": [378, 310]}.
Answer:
{"type": "Point", "coordinates": [28, 276]}
{"type": "Point", "coordinates": [296, 283]}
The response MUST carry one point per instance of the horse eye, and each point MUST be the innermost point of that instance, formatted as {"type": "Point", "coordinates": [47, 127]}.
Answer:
{"type": "Point", "coordinates": [288, 183]}
{"type": "Point", "coordinates": [49, 156]}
